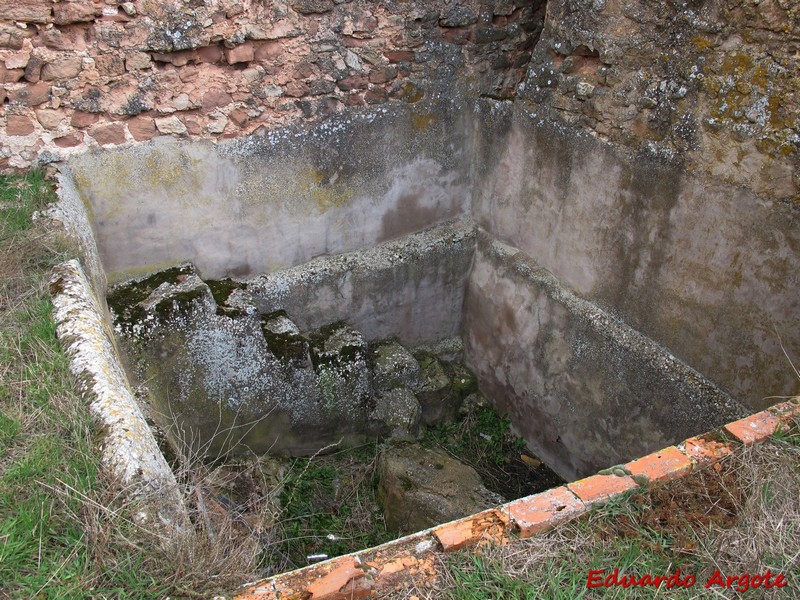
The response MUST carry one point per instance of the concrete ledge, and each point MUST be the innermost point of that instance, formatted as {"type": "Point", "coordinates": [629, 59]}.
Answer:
{"type": "Point", "coordinates": [129, 450]}
{"type": "Point", "coordinates": [378, 570]}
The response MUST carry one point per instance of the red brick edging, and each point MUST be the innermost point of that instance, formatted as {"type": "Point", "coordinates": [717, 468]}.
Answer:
{"type": "Point", "coordinates": [382, 568]}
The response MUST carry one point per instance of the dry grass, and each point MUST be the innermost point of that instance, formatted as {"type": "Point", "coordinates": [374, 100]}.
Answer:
{"type": "Point", "coordinates": [743, 517]}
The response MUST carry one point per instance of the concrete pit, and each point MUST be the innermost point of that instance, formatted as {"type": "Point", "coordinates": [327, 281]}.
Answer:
{"type": "Point", "coordinates": [319, 289]}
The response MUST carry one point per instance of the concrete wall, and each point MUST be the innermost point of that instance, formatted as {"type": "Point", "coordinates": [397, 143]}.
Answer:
{"type": "Point", "coordinates": [412, 288]}
{"type": "Point", "coordinates": [266, 202]}
{"type": "Point", "coordinates": [706, 269]}
{"type": "Point", "coordinates": [582, 388]}
{"type": "Point", "coordinates": [218, 381]}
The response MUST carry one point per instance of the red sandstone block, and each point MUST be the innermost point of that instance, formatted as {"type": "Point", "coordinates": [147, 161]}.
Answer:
{"type": "Point", "coordinates": [267, 50]}
{"type": "Point", "coordinates": [703, 451]}
{"type": "Point", "coordinates": [353, 83]}
{"type": "Point", "coordinates": [19, 125]}
{"type": "Point", "coordinates": [239, 117]}
{"type": "Point", "coordinates": [535, 514]}
{"type": "Point", "coordinates": [487, 525]}
{"type": "Point", "coordinates": [113, 133]}
{"type": "Point", "coordinates": [599, 488]}
{"type": "Point", "coordinates": [142, 128]}
{"type": "Point", "coordinates": [73, 12]}
{"type": "Point", "coordinates": [210, 54]}
{"type": "Point", "coordinates": [10, 75]}
{"type": "Point", "coordinates": [30, 11]}
{"type": "Point", "coordinates": [214, 99]}
{"type": "Point", "coordinates": [32, 95]}
{"type": "Point", "coordinates": [754, 428]}
{"type": "Point", "coordinates": [69, 141]}
{"type": "Point", "coordinates": [84, 119]}
{"type": "Point", "coordinates": [666, 464]}
{"type": "Point", "coordinates": [376, 96]}
{"type": "Point", "coordinates": [399, 56]}
{"type": "Point", "coordinates": [239, 54]}
{"type": "Point", "coordinates": [64, 68]}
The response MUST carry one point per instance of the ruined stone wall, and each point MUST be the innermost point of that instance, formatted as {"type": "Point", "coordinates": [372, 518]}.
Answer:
{"type": "Point", "coordinates": [78, 74]}
{"type": "Point", "coordinates": [711, 84]}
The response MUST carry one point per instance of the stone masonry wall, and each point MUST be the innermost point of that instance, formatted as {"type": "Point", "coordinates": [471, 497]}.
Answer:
{"type": "Point", "coordinates": [711, 84]}
{"type": "Point", "coordinates": [78, 74]}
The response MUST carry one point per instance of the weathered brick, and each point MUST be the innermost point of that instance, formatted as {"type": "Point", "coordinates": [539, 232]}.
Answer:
{"type": "Point", "coordinates": [535, 514]}
{"type": "Point", "coordinates": [599, 488]}
{"type": "Point", "coordinates": [18, 125]}
{"type": "Point", "coordinates": [666, 464]}
{"type": "Point", "coordinates": [344, 570]}
{"type": "Point", "coordinates": [704, 451]}
{"type": "Point", "coordinates": [787, 412]}
{"type": "Point", "coordinates": [489, 525]}
{"type": "Point", "coordinates": [754, 428]}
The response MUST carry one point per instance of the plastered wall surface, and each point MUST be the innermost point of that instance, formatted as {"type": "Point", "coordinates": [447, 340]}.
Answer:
{"type": "Point", "coordinates": [411, 289]}
{"type": "Point", "coordinates": [262, 203]}
{"type": "Point", "coordinates": [706, 269]}
{"type": "Point", "coordinates": [583, 389]}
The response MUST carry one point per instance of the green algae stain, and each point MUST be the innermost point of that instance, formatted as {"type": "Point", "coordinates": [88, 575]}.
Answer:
{"type": "Point", "coordinates": [323, 189]}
